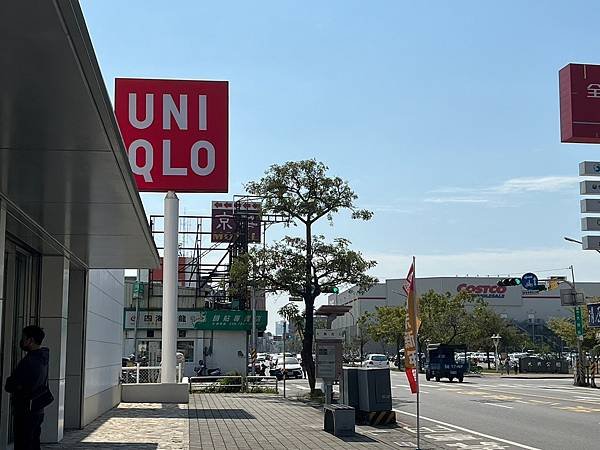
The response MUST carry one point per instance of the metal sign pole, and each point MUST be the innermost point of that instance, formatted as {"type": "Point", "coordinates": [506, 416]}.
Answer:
{"type": "Point", "coordinates": [169, 307]}
{"type": "Point", "coordinates": [284, 329]}
{"type": "Point", "coordinates": [253, 300]}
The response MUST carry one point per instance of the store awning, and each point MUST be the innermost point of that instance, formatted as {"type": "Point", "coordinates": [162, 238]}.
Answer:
{"type": "Point", "coordinates": [64, 172]}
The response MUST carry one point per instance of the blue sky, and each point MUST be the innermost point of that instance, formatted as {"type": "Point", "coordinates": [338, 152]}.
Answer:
{"type": "Point", "coordinates": [442, 115]}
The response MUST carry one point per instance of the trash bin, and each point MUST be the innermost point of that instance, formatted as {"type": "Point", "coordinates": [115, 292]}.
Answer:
{"type": "Point", "coordinates": [349, 387]}
{"type": "Point", "coordinates": [375, 389]}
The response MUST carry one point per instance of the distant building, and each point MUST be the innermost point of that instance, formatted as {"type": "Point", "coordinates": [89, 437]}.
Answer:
{"type": "Point", "coordinates": [528, 310]}
{"type": "Point", "coordinates": [279, 328]}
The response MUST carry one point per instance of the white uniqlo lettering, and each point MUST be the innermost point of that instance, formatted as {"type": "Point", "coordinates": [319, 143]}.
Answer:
{"type": "Point", "coordinates": [167, 169]}
{"type": "Point", "coordinates": [149, 159]}
{"type": "Point", "coordinates": [149, 117]}
{"type": "Point", "coordinates": [210, 158]}
{"type": "Point", "coordinates": [179, 114]}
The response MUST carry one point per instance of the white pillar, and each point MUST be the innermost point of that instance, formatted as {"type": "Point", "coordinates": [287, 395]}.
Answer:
{"type": "Point", "coordinates": [169, 306]}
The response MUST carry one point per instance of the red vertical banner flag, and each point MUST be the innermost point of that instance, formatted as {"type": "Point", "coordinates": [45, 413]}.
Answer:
{"type": "Point", "coordinates": [411, 330]}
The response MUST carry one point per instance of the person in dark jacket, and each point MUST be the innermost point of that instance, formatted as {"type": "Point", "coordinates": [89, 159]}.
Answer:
{"type": "Point", "coordinates": [27, 380]}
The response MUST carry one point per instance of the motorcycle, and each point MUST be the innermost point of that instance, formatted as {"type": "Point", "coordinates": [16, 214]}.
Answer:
{"type": "Point", "coordinates": [202, 371]}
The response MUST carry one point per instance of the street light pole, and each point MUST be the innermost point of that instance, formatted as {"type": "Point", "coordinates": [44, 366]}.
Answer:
{"type": "Point", "coordinates": [496, 339]}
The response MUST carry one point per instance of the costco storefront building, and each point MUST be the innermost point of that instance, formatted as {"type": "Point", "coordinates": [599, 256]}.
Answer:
{"type": "Point", "coordinates": [527, 309]}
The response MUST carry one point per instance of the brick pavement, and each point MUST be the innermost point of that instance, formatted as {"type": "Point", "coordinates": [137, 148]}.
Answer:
{"type": "Point", "coordinates": [133, 426]}
{"type": "Point", "coordinates": [265, 422]}
{"type": "Point", "coordinates": [225, 421]}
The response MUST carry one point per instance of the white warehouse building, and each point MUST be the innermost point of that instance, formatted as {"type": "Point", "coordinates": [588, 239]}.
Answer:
{"type": "Point", "coordinates": [526, 309]}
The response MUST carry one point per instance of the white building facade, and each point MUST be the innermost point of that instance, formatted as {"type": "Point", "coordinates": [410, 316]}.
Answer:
{"type": "Point", "coordinates": [526, 309]}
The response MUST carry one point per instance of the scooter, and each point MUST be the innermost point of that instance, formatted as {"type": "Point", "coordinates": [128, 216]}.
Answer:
{"type": "Point", "coordinates": [202, 371]}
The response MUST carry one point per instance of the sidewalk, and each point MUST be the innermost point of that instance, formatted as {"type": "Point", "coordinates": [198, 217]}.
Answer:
{"type": "Point", "coordinates": [227, 421]}
{"type": "Point", "coordinates": [530, 376]}
{"type": "Point", "coordinates": [133, 426]}
{"type": "Point", "coordinates": [269, 422]}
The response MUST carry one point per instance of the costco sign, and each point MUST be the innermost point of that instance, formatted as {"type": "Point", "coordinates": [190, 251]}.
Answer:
{"type": "Point", "coordinates": [176, 133]}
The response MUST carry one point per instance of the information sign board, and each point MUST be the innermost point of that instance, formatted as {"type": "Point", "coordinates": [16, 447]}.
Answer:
{"type": "Point", "coordinates": [594, 315]}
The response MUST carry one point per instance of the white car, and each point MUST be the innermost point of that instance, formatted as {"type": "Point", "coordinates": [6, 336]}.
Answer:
{"type": "Point", "coordinates": [292, 368]}
{"type": "Point", "coordinates": [376, 360]}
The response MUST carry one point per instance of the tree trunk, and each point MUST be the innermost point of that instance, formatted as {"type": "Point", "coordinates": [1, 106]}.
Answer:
{"type": "Point", "coordinates": [488, 359]}
{"type": "Point", "coordinates": [307, 355]}
{"type": "Point", "coordinates": [309, 302]}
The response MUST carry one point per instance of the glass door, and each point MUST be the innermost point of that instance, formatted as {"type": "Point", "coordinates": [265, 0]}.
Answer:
{"type": "Point", "coordinates": [21, 307]}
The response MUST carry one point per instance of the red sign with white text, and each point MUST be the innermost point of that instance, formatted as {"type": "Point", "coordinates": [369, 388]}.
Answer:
{"type": "Point", "coordinates": [176, 133]}
{"type": "Point", "coordinates": [580, 103]}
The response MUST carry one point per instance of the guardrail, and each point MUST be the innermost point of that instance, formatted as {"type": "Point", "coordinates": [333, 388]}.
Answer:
{"type": "Point", "coordinates": [233, 383]}
{"type": "Point", "coordinates": [255, 383]}
{"type": "Point", "coordinates": [145, 374]}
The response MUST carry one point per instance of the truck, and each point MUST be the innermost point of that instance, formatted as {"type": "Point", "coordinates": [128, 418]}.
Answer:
{"type": "Point", "coordinates": [446, 361]}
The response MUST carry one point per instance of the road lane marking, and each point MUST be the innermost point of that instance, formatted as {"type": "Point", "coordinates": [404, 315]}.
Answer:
{"type": "Point", "coordinates": [506, 441]}
{"type": "Point", "coordinates": [499, 406]}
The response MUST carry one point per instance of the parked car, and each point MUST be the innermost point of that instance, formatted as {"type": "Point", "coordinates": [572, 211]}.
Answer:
{"type": "Point", "coordinates": [292, 368]}
{"type": "Point", "coordinates": [376, 360]}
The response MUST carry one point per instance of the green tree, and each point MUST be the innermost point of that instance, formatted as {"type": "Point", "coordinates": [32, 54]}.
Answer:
{"type": "Point", "coordinates": [485, 323]}
{"type": "Point", "coordinates": [445, 318]}
{"type": "Point", "coordinates": [388, 326]}
{"type": "Point", "coordinates": [307, 266]}
{"type": "Point", "coordinates": [564, 328]}
{"type": "Point", "coordinates": [363, 335]}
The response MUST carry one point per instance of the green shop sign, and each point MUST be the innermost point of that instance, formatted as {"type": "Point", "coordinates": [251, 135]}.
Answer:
{"type": "Point", "coordinates": [229, 320]}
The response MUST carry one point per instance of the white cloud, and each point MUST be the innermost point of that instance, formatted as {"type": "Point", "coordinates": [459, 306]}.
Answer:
{"type": "Point", "coordinates": [535, 184]}
{"type": "Point", "coordinates": [456, 200]}
{"type": "Point", "coordinates": [494, 195]}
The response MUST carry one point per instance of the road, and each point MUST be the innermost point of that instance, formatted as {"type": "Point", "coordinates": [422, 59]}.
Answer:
{"type": "Point", "coordinates": [498, 413]}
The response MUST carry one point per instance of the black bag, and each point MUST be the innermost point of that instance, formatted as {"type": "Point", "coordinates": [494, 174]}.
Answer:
{"type": "Point", "coordinates": [41, 399]}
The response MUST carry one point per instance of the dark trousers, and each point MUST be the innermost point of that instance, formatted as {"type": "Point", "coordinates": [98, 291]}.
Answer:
{"type": "Point", "coordinates": [27, 429]}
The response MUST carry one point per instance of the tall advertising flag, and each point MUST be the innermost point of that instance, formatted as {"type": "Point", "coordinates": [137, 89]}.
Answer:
{"type": "Point", "coordinates": [411, 330]}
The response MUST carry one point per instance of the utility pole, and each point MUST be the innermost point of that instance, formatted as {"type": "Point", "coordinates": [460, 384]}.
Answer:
{"type": "Point", "coordinates": [253, 300]}
{"type": "Point", "coordinates": [284, 328]}
{"type": "Point", "coordinates": [579, 378]}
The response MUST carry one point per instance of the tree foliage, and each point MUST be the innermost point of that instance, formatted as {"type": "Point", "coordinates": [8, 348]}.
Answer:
{"type": "Point", "coordinates": [388, 326]}
{"type": "Point", "coordinates": [564, 327]}
{"type": "Point", "coordinates": [306, 266]}
{"type": "Point", "coordinates": [445, 318]}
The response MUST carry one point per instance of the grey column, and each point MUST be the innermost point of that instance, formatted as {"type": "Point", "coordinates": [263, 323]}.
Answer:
{"type": "Point", "coordinates": [75, 347]}
{"type": "Point", "coordinates": [54, 305]}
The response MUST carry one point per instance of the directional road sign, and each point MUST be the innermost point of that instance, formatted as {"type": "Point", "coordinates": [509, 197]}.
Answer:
{"type": "Point", "coordinates": [589, 187]}
{"type": "Point", "coordinates": [591, 242]}
{"type": "Point", "coordinates": [590, 205]}
{"type": "Point", "coordinates": [594, 315]}
{"type": "Point", "coordinates": [590, 223]}
{"type": "Point", "coordinates": [529, 281]}
{"type": "Point", "coordinates": [589, 169]}
{"type": "Point", "coordinates": [578, 321]}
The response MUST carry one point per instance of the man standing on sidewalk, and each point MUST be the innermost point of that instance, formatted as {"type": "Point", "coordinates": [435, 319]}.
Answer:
{"type": "Point", "coordinates": [28, 385]}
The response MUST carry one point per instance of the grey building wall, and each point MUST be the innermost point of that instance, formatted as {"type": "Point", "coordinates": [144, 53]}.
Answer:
{"type": "Point", "coordinates": [104, 340]}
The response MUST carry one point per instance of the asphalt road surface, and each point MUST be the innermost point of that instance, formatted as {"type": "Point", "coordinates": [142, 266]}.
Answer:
{"type": "Point", "coordinates": [489, 413]}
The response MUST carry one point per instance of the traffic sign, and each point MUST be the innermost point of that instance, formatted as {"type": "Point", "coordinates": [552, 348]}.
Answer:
{"type": "Point", "coordinates": [578, 321]}
{"type": "Point", "coordinates": [529, 281]}
{"type": "Point", "coordinates": [568, 297]}
{"type": "Point", "coordinates": [590, 205]}
{"type": "Point", "coordinates": [591, 242]}
{"type": "Point", "coordinates": [594, 315]}
{"type": "Point", "coordinates": [588, 187]}
{"type": "Point", "coordinates": [589, 169]}
{"type": "Point", "coordinates": [590, 223]}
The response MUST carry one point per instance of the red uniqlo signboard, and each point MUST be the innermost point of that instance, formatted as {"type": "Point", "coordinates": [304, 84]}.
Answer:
{"type": "Point", "coordinates": [580, 103]}
{"type": "Point", "coordinates": [176, 133]}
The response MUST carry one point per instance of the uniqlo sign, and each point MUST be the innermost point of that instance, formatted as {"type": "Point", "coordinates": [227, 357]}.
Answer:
{"type": "Point", "coordinates": [580, 103]}
{"type": "Point", "coordinates": [176, 133]}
